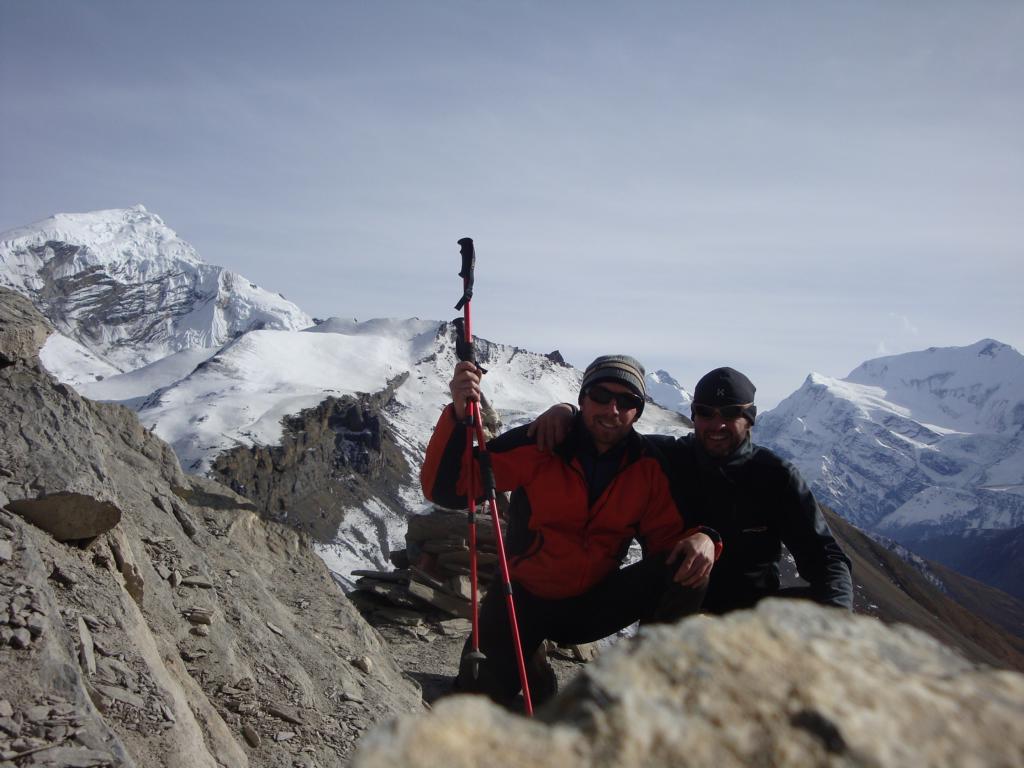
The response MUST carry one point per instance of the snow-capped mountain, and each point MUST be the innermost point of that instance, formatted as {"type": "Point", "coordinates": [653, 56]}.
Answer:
{"type": "Point", "coordinates": [663, 389]}
{"type": "Point", "coordinates": [915, 445]}
{"type": "Point", "coordinates": [123, 290]}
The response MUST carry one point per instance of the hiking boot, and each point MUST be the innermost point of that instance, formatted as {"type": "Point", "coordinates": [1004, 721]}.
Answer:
{"type": "Point", "coordinates": [541, 676]}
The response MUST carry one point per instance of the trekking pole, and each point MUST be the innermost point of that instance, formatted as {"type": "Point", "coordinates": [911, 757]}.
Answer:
{"type": "Point", "coordinates": [464, 349]}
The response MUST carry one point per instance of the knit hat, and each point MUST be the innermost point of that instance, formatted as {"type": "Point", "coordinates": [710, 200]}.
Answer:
{"type": "Point", "coordinates": [726, 386]}
{"type": "Point", "coordinates": [618, 368]}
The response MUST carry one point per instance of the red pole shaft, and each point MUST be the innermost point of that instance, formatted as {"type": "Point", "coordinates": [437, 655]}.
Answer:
{"type": "Point", "coordinates": [471, 499]}
{"type": "Point", "coordinates": [506, 578]}
{"type": "Point", "coordinates": [473, 415]}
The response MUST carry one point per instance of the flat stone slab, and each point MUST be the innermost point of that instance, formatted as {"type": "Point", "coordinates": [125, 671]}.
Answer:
{"type": "Point", "coordinates": [68, 516]}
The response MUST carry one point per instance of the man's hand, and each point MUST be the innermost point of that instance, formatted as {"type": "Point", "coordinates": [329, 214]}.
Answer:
{"type": "Point", "coordinates": [464, 386]}
{"type": "Point", "coordinates": [697, 554]}
{"type": "Point", "coordinates": [552, 427]}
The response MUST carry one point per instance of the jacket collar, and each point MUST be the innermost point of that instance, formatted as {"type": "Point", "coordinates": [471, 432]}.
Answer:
{"type": "Point", "coordinates": [579, 441]}
{"type": "Point", "coordinates": [737, 458]}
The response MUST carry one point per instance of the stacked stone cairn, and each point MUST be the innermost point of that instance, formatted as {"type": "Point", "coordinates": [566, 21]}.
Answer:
{"type": "Point", "coordinates": [431, 579]}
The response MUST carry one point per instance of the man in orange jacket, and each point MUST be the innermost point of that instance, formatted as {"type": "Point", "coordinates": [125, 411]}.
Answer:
{"type": "Point", "coordinates": [573, 514]}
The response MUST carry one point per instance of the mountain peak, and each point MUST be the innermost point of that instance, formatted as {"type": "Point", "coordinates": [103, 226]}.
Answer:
{"type": "Point", "coordinates": [663, 388]}
{"type": "Point", "coordinates": [125, 290]}
{"type": "Point", "coordinates": [979, 387]}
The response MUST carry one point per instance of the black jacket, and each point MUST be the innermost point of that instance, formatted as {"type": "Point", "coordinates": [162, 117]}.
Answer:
{"type": "Point", "coordinates": [757, 502]}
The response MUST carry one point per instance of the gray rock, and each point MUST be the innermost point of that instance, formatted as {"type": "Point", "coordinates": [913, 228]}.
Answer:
{"type": "Point", "coordinates": [789, 683]}
{"type": "Point", "coordinates": [134, 584]}
{"type": "Point", "coordinates": [455, 626]}
{"type": "Point", "coordinates": [86, 648]}
{"type": "Point", "coordinates": [284, 713]}
{"type": "Point", "coordinates": [23, 331]}
{"type": "Point", "coordinates": [454, 605]}
{"type": "Point", "coordinates": [118, 693]}
{"type": "Point", "coordinates": [400, 616]}
{"type": "Point", "coordinates": [6, 551]}
{"type": "Point", "coordinates": [184, 519]}
{"type": "Point", "coordinates": [68, 516]}
{"type": "Point", "coordinates": [64, 576]}
{"type": "Point", "coordinates": [9, 726]}
{"type": "Point", "coordinates": [37, 714]}
{"type": "Point", "coordinates": [73, 757]}
{"type": "Point", "coordinates": [21, 638]}
{"type": "Point", "coordinates": [198, 582]}
{"type": "Point", "coordinates": [252, 737]}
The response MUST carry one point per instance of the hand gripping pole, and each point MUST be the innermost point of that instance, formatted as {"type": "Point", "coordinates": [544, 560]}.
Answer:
{"type": "Point", "coordinates": [465, 350]}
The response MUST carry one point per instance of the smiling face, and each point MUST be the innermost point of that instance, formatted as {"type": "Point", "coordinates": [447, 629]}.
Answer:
{"type": "Point", "coordinates": [607, 424]}
{"type": "Point", "coordinates": [718, 435]}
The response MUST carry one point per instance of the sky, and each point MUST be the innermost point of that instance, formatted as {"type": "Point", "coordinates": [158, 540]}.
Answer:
{"type": "Point", "coordinates": [782, 187]}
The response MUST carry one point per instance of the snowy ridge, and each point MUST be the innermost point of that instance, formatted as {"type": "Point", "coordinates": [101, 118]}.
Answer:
{"type": "Point", "coordinates": [238, 395]}
{"type": "Point", "coordinates": [127, 289]}
{"type": "Point", "coordinates": [911, 445]}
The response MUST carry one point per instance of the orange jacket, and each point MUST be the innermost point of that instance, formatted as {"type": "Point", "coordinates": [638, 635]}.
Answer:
{"type": "Point", "coordinates": [558, 544]}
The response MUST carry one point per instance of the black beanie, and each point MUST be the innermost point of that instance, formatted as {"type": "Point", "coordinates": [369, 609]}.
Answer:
{"type": "Point", "coordinates": [726, 386]}
{"type": "Point", "coordinates": [619, 368]}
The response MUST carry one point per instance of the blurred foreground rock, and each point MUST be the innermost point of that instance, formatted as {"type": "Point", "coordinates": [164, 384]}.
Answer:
{"type": "Point", "coordinates": [787, 684]}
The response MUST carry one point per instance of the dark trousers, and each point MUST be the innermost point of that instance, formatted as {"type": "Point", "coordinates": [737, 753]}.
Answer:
{"type": "Point", "coordinates": [642, 592]}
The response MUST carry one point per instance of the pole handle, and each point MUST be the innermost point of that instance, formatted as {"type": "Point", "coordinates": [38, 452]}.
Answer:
{"type": "Point", "coordinates": [468, 253]}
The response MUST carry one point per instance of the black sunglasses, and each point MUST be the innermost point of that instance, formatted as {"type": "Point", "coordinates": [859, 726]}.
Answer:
{"type": "Point", "coordinates": [624, 401]}
{"type": "Point", "coordinates": [727, 412]}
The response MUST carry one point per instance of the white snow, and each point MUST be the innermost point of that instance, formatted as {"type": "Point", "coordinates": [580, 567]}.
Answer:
{"type": "Point", "coordinates": [143, 381]}
{"type": "Point", "coordinates": [71, 362]}
{"type": "Point", "coordinates": [357, 546]}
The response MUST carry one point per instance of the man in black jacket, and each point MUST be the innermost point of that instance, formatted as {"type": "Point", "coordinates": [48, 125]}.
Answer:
{"type": "Point", "coordinates": [758, 502]}
{"type": "Point", "coordinates": [755, 500]}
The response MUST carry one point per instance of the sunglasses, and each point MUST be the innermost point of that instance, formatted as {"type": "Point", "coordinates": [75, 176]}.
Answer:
{"type": "Point", "coordinates": [624, 401]}
{"type": "Point", "coordinates": [727, 412]}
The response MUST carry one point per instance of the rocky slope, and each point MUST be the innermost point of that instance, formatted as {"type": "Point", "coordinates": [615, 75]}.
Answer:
{"type": "Point", "coordinates": [336, 475]}
{"type": "Point", "coordinates": [984, 624]}
{"type": "Point", "coordinates": [786, 684]}
{"type": "Point", "coordinates": [994, 557]}
{"type": "Point", "coordinates": [152, 618]}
